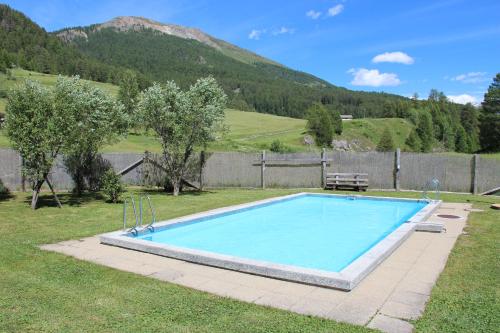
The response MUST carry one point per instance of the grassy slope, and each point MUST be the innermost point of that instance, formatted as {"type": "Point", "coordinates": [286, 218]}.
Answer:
{"type": "Point", "coordinates": [43, 291]}
{"type": "Point", "coordinates": [369, 131]}
{"type": "Point", "coordinates": [250, 131]}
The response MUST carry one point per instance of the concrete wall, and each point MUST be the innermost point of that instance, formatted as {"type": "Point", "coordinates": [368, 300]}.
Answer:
{"type": "Point", "coordinates": [455, 173]}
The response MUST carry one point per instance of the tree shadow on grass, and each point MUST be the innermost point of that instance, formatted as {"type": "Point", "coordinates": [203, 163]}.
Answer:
{"type": "Point", "coordinates": [160, 191]}
{"type": "Point", "coordinates": [46, 199]}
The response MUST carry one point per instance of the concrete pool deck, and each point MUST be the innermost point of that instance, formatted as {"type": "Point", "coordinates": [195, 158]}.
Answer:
{"type": "Point", "coordinates": [395, 292]}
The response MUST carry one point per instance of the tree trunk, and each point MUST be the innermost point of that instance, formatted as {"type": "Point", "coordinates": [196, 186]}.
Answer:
{"type": "Point", "coordinates": [36, 194]}
{"type": "Point", "coordinates": [176, 185]}
{"type": "Point", "coordinates": [53, 192]}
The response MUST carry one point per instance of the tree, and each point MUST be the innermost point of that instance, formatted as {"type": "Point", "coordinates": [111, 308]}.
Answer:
{"type": "Point", "coordinates": [449, 137]}
{"type": "Point", "coordinates": [461, 141]}
{"type": "Point", "coordinates": [425, 131]}
{"type": "Point", "coordinates": [98, 119]}
{"type": "Point", "coordinates": [71, 119]}
{"type": "Point", "coordinates": [38, 130]}
{"type": "Point", "coordinates": [490, 118]}
{"type": "Point", "coordinates": [469, 118]}
{"type": "Point", "coordinates": [128, 95]}
{"type": "Point", "coordinates": [183, 121]}
{"type": "Point", "coordinates": [319, 123]}
{"type": "Point", "coordinates": [413, 141]}
{"type": "Point", "coordinates": [337, 122]}
{"type": "Point", "coordinates": [386, 143]}
{"type": "Point", "coordinates": [436, 96]}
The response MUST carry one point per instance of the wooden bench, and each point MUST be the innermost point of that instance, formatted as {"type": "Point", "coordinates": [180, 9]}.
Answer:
{"type": "Point", "coordinates": [357, 181]}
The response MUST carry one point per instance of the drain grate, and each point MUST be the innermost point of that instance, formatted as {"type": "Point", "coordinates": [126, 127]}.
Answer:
{"type": "Point", "coordinates": [448, 216]}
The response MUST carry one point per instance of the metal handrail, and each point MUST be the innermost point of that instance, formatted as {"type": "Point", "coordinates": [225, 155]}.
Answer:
{"type": "Point", "coordinates": [431, 186]}
{"type": "Point", "coordinates": [138, 219]}
{"type": "Point", "coordinates": [134, 229]}
{"type": "Point", "coordinates": [153, 214]}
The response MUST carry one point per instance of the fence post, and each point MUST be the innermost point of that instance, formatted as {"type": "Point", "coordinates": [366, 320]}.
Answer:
{"type": "Point", "coordinates": [323, 168]}
{"type": "Point", "coordinates": [397, 169]}
{"type": "Point", "coordinates": [474, 171]}
{"type": "Point", "coordinates": [263, 169]}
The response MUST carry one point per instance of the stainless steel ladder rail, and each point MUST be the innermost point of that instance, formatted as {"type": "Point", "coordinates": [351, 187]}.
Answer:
{"type": "Point", "coordinates": [431, 186]}
{"type": "Point", "coordinates": [134, 229]}
{"type": "Point", "coordinates": [153, 214]}
{"type": "Point", "coordinates": [139, 219]}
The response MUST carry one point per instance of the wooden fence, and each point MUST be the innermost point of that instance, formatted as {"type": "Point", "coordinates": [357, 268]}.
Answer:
{"type": "Point", "coordinates": [392, 170]}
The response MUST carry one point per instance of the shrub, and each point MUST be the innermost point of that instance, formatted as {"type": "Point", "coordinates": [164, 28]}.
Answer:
{"type": "Point", "coordinates": [112, 185]}
{"type": "Point", "coordinates": [279, 147]}
{"type": "Point", "coordinates": [386, 143]}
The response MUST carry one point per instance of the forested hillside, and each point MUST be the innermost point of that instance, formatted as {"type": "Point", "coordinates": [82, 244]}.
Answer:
{"type": "Point", "coordinates": [254, 85]}
{"type": "Point", "coordinates": [25, 44]}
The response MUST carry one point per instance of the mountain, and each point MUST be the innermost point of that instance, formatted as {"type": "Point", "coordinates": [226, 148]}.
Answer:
{"type": "Point", "coordinates": [164, 52]}
{"type": "Point", "coordinates": [126, 23]}
{"type": "Point", "coordinates": [24, 44]}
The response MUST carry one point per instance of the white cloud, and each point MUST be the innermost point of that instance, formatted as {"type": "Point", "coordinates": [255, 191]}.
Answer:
{"type": "Point", "coordinates": [255, 34]}
{"type": "Point", "coordinates": [283, 30]}
{"type": "Point", "coordinates": [373, 78]}
{"type": "Point", "coordinates": [397, 57]}
{"type": "Point", "coordinates": [313, 14]}
{"type": "Point", "coordinates": [335, 10]}
{"type": "Point", "coordinates": [463, 99]}
{"type": "Point", "coordinates": [471, 77]}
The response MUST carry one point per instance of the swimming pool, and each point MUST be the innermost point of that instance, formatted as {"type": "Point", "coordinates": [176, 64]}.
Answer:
{"type": "Point", "coordinates": [322, 239]}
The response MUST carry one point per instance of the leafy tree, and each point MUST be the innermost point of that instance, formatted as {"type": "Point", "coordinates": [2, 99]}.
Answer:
{"type": "Point", "coordinates": [98, 119]}
{"type": "Point", "coordinates": [337, 122]}
{"type": "Point", "coordinates": [386, 142]}
{"type": "Point", "coordinates": [413, 141]}
{"type": "Point", "coordinates": [461, 143]}
{"type": "Point", "coordinates": [71, 119]}
{"type": "Point", "coordinates": [469, 118]}
{"type": "Point", "coordinates": [38, 130]}
{"type": "Point", "coordinates": [425, 131]}
{"type": "Point", "coordinates": [490, 118]}
{"type": "Point", "coordinates": [128, 95]}
{"type": "Point", "coordinates": [183, 121]}
{"type": "Point", "coordinates": [319, 123]}
{"type": "Point", "coordinates": [449, 137]}
{"type": "Point", "coordinates": [436, 96]}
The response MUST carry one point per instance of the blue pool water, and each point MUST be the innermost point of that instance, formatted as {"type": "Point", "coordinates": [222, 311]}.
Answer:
{"type": "Point", "coordinates": [310, 231]}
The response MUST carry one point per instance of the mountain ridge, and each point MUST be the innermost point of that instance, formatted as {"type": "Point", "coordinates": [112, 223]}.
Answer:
{"type": "Point", "coordinates": [137, 23]}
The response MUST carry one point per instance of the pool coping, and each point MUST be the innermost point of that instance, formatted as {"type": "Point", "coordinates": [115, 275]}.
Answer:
{"type": "Point", "coordinates": [346, 279]}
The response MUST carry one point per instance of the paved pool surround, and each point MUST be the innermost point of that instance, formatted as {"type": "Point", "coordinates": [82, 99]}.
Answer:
{"type": "Point", "coordinates": [347, 279]}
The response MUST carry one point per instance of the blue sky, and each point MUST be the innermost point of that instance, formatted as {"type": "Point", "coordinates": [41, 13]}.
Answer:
{"type": "Point", "coordinates": [400, 47]}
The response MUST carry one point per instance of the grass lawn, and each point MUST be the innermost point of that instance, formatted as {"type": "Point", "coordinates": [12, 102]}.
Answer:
{"type": "Point", "coordinates": [44, 291]}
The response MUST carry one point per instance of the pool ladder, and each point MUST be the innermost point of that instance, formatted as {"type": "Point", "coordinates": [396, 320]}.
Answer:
{"type": "Point", "coordinates": [432, 185]}
{"type": "Point", "coordinates": [139, 218]}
